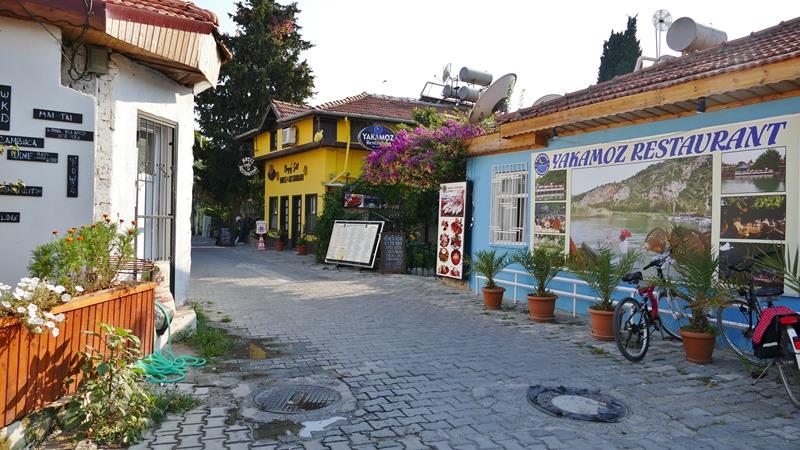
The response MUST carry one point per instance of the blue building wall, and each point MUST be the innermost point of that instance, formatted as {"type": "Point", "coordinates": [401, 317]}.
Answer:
{"type": "Point", "coordinates": [479, 171]}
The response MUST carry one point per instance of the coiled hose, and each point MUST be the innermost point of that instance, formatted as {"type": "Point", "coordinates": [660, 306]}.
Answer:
{"type": "Point", "coordinates": [163, 366]}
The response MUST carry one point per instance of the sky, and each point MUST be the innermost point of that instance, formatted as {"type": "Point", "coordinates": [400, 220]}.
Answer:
{"type": "Point", "coordinates": [393, 48]}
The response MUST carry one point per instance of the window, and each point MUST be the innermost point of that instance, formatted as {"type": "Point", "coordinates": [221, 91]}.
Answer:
{"type": "Point", "coordinates": [509, 204]}
{"type": "Point", "coordinates": [273, 140]}
{"type": "Point", "coordinates": [311, 213]}
{"type": "Point", "coordinates": [273, 213]}
{"type": "Point", "coordinates": [155, 190]}
{"type": "Point", "coordinates": [355, 127]}
{"type": "Point", "coordinates": [328, 127]}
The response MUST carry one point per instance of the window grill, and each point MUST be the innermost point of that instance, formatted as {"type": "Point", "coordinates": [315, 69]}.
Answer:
{"type": "Point", "coordinates": [509, 204]}
{"type": "Point", "coordinates": [155, 191]}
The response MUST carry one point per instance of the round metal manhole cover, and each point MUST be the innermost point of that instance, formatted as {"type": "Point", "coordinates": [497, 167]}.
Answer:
{"type": "Point", "coordinates": [579, 404]}
{"type": "Point", "coordinates": [295, 399]}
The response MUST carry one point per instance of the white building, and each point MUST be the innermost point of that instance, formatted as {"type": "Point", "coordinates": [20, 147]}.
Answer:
{"type": "Point", "coordinates": [100, 107]}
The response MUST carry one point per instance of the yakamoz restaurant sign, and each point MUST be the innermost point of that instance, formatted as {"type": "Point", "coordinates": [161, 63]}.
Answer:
{"type": "Point", "coordinates": [373, 137]}
{"type": "Point", "coordinates": [675, 145]}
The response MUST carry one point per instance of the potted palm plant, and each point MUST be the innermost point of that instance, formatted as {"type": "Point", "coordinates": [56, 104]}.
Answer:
{"type": "Point", "coordinates": [542, 264]}
{"type": "Point", "coordinates": [602, 270]}
{"type": "Point", "coordinates": [697, 282]}
{"type": "Point", "coordinates": [488, 263]}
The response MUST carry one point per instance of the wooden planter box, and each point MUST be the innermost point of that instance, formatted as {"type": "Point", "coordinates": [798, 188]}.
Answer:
{"type": "Point", "coordinates": [34, 368]}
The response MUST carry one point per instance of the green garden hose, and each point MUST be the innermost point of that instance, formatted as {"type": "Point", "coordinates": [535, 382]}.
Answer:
{"type": "Point", "coordinates": [163, 366]}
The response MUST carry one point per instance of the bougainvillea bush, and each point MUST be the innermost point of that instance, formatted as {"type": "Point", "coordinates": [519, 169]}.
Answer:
{"type": "Point", "coordinates": [423, 157]}
{"type": "Point", "coordinates": [78, 261]}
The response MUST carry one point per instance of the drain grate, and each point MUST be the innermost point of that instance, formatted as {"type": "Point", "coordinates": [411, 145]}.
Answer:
{"type": "Point", "coordinates": [295, 399]}
{"type": "Point", "coordinates": [579, 404]}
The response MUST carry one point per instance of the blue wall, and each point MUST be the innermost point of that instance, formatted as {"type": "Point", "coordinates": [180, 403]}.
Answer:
{"type": "Point", "coordinates": [479, 170]}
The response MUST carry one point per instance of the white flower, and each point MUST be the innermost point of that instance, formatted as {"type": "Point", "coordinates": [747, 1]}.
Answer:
{"type": "Point", "coordinates": [18, 294]}
{"type": "Point", "coordinates": [32, 313]}
{"type": "Point", "coordinates": [60, 289]}
{"type": "Point", "coordinates": [4, 287]}
{"type": "Point", "coordinates": [78, 289]}
{"type": "Point", "coordinates": [49, 315]}
{"type": "Point", "coordinates": [55, 332]}
{"type": "Point", "coordinates": [32, 320]}
{"type": "Point", "coordinates": [6, 304]}
{"type": "Point", "coordinates": [49, 324]}
{"type": "Point", "coordinates": [66, 297]}
{"type": "Point", "coordinates": [37, 330]}
{"type": "Point", "coordinates": [59, 318]}
{"type": "Point", "coordinates": [32, 307]}
{"type": "Point", "coordinates": [21, 310]}
{"type": "Point", "coordinates": [51, 287]}
{"type": "Point", "coordinates": [38, 321]}
{"type": "Point", "coordinates": [35, 280]}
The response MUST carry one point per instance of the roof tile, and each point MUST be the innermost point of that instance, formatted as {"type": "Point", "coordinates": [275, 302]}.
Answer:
{"type": "Point", "coordinates": [174, 8]}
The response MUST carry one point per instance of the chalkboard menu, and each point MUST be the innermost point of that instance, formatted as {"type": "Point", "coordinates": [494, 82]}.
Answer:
{"type": "Point", "coordinates": [5, 107]}
{"type": "Point", "coordinates": [393, 253]}
{"type": "Point", "coordinates": [66, 133]}
{"type": "Point", "coordinates": [21, 141]}
{"type": "Point", "coordinates": [57, 116]}
{"type": "Point", "coordinates": [224, 237]}
{"type": "Point", "coordinates": [25, 191]}
{"type": "Point", "coordinates": [354, 242]}
{"type": "Point", "coordinates": [9, 217]}
{"type": "Point", "coordinates": [33, 156]}
{"type": "Point", "coordinates": [72, 175]}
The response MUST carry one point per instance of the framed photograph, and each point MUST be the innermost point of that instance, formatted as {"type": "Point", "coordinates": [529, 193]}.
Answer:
{"type": "Point", "coordinates": [754, 171]}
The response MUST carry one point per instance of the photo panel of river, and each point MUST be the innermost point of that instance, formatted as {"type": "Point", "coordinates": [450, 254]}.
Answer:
{"type": "Point", "coordinates": [754, 171]}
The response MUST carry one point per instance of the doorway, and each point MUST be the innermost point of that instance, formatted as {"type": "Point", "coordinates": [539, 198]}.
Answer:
{"type": "Point", "coordinates": [297, 217]}
{"type": "Point", "coordinates": [284, 228]}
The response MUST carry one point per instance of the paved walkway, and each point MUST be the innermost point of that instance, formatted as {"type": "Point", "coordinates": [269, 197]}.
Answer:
{"type": "Point", "coordinates": [421, 365]}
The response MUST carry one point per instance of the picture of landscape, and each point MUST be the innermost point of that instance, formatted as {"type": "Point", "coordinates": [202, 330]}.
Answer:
{"type": "Point", "coordinates": [757, 217]}
{"type": "Point", "coordinates": [754, 171]}
{"type": "Point", "coordinates": [640, 198]}
{"type": "Point", "coordinates": [551, 186]}
{"type": "Point", "coordinates": [553, 241]}
{"type": "Point", "coordinates": [550, 218]}
{"type": "Point", "coordinates": [731, 253]}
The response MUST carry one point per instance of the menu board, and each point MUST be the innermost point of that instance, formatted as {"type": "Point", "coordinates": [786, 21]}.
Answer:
{"type": "Point", "coordinates": [393, 253]}
{"type": "Point", "coordinates": [452, 217]}
{"type": "Point", "coordinates": [354, 242]}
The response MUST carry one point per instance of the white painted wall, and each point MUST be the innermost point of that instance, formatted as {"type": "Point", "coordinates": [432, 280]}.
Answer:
{"type": "Point", "coordinates": [32, 67]}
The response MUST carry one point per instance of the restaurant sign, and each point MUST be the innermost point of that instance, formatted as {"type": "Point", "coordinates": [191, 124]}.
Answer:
{"type": "Point", "coordinates": [292, 173]}
{"type": "Point", "coordinates": [373, 137]}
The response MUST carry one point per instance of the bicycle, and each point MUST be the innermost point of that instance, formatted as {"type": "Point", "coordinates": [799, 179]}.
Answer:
{"type": "Point", "coordinates": [738, 323]}
{"type": "Point", "coordinates": [635, 320]}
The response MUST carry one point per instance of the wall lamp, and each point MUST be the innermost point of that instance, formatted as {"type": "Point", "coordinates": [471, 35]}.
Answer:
{"type": "Point", "coordinates": [701, 105]}
{"type": "Point", "coordinates": [554, 134]}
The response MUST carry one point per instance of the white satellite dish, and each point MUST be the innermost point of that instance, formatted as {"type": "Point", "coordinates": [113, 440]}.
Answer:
{"type": "Point", "coordinates": [492, 97]}
{"type": "Point", "coordinates": [546, 98]}
{"type": "Point", "coordinates": [446, 73]}
{"type": "Point", "coordinates": [662, 19]}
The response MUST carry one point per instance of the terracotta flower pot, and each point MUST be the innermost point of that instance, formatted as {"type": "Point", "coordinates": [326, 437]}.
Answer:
{"type": "Point", "coordinates": [698, 346]}
{"type": "Point", "coordinates": [302, 250]}
{"type": "Point", "coordinates": [279, 246]}
{"type": "Point", "coordinates": [542, 308]}
{"type": "Point", "coordinates": [493, 297]}
{"type": "Point", "coordinates": [602, 329]}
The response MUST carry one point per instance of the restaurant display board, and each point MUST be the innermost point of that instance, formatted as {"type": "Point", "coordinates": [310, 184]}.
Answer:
{"type": "Point", "coordinates": [354, 242]}
{"type": "Point", "coordinates": [393, 253]}
{"type": "Point", "coordinates": [453, 198]}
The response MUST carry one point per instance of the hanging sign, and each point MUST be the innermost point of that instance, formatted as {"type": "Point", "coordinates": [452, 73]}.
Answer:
{"type": "Point", "coordinates": [24, 191]}
{"type": "Point", "coordinates": [9, 217]}
{"type": "Point", "coordinates": [72, 176]}
{"type": "Point", "coordinates": [5, 107]}
{"type": "Point", "coordinates": [452, 217]}
{"type": "Point", "coordinates": [71, 135]}
{"type": "Point", "coordinates": [57, 116]}
{"type": "Point", "coordinates": [373, 137]}
{"type": "Point", "coordinates": [32, 156]}
{"type": "Point", "coordinates": [22, 141]}
{"type": "Point", "coordinates": [248, 166]}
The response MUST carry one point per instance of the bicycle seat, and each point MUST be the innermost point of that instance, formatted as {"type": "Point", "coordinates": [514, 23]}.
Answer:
{"type": "Point", "coordinates": [769, 291]}
{"type": "Point", "coordinates": [632, 277]}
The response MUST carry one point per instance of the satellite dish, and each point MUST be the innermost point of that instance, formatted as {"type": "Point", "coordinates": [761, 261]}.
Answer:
{"type": "Point", "coordinates": [662, 19]}
{"type": "Point", "coordinates": [446, 73]}
{"type": "Point", "coordinates": [546, 98]}
{"type": "Point", "coordinates": [492, 98]}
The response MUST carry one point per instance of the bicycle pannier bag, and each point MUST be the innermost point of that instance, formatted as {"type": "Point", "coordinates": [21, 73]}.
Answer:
{"type": "Point", "coordinates": [768, 332]}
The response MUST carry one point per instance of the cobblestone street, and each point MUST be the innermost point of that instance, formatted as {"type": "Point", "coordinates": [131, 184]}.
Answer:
{"type": "Point", "coordinates": [421, 365]}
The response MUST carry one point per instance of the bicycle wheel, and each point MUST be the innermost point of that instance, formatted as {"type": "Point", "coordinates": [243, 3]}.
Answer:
{"type": "Point", "coordinates": [790, 372]}
{"type": "Point", "coordinates": [631, 329]}
{"type": "Point", "coordinates": [672, 314]}
{"type": "Point", "coordinates": [736, 322]}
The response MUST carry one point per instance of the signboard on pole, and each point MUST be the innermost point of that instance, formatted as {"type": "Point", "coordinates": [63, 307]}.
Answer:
{"type": "Point", "coordinates": [450, 253]}
{"type": "Point", "coordinates": [354, 242]}
{"type": "Point", "coordinates": [261, 227]}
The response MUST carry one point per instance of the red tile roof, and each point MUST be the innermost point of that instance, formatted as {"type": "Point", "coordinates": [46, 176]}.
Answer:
{"type": "Point", "coordinates": [286, 109]}
{"type": "Point", "coordinates": [366, 105]}
{"type": "Point", "coordinates": [774, 44]}
{"type": "Point", "coordinates": [174, 8]}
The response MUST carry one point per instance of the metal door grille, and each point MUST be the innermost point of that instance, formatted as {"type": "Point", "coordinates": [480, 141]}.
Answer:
{"type": "Point", "coordinates": [509, 204]}
{"type": "Point", "coordinates": [155, 191]}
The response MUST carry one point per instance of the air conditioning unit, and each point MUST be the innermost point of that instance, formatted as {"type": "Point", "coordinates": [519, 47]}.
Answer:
{"type": "Point", "coordinates": [289, 136]}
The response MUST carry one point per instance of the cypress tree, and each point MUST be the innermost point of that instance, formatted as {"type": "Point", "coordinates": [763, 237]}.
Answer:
{"type": "Point", "coordinates": [620, 53]}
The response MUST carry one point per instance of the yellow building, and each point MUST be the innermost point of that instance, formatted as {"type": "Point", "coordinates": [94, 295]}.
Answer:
{"type": "Point", "coordinates": [299, 168]}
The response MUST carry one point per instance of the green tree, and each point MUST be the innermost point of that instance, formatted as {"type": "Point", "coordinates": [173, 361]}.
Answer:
{"type": "Point", "coordinates": [770, 159]}
{"type": "Point", "coordinates": [266, 65]}
{"type": "Point", "coordinates": [620, 53]}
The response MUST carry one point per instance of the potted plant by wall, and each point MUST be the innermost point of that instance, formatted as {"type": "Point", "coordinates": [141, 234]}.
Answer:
{"type": "Point", "coordinates": [277, 237]}
{"type": "Point", "coordinates": [602, 270]}
{"type": "Point", "coordinates": [542, 264]}
{"type": "Point", "coordinates": [302, 244]}
{"type": "Point", "coordinates": [697, 268]}
{"type": "Point", "coordinates": [488, 263]}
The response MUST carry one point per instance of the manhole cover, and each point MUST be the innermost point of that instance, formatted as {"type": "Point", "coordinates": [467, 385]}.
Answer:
{"type": "Point", "coordinates": [295, 399]}
{"type": "Point", "coordinates": [579, 404]}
